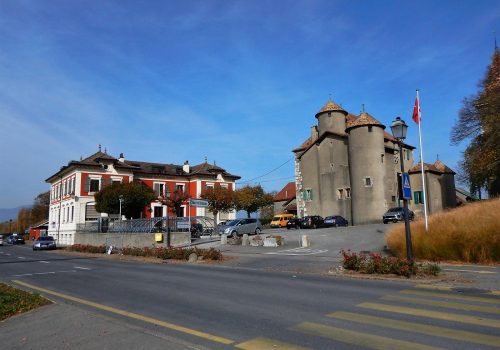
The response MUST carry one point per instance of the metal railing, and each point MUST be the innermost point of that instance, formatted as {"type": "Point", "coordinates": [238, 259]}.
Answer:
{"type": "Point", "coordinates": [199, 225]}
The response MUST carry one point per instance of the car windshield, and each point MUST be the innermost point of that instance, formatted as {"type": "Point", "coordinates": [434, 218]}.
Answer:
{"type": "Point", "coordinates": [48, 238]}
{"type": "Point", "coordinates": [329, 218]}
{"type": "Point", "coordinates": [395, 209]}
{"type": "Point", "coordinates": [276, 218]}
{"type": "Point", "coordinates": [232, 222]}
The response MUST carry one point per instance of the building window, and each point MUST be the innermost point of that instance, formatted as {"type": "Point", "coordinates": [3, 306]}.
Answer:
{"type": "Point", "coordinates": [72, 213]}
{"type": "Point", "coordinates": [368, 181]}
{"type": "Point", "coordinates": [340, 193]}
{"type": "Point", "coordinates": [382, 158]}
{"type": "Point", "coordinates": [347, 193]}
{"type": "Point", "coordinates": [408, 153]}
{"type": "Point", "coordinates": [224, 185]}
{"type": "Point", "coordinates": [116, 181]}
{"type": "Point", "coordinates": [159, 189]}
{"type": "Point", "coordinates": [393, 198]}
{"type": "Point", "coordinates": [418, 197]}
{"type": "Point", "coordinates": [207, 186]}
{"type": "Point", "coordinates": [94, 185]}
{"type": "Point", "coordinates": [179, 188]}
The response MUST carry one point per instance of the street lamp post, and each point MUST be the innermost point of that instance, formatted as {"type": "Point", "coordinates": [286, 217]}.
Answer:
{"type": "Point", "coordinates": [120, 199]}
{"type": "Point", "coordinates": [10, 226]}
{"type": "Point", "coordinates": [399, 129]}
{"type": "Point", "coordinates": [167, 195]}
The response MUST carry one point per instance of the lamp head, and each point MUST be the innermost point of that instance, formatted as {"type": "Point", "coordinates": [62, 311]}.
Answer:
{"type": "Point", "coordinates": [399, 128]}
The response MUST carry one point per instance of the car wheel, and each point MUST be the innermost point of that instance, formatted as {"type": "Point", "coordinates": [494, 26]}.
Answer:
{"type": "Point", "coordinates": [234, 234]}
{"type": "Point", "coordinates": [395, 221]}
{"type": "Point", "coordinates": [257, 231]}
{"type": "Point", "coordinates": [314, 226]}
{"type": "Point", "coordinates": [385, 221]}
{"type": "Point", "coordinates": [288, 227]}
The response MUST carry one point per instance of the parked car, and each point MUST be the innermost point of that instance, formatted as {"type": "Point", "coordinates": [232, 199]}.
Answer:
{"type": "Point", "coordinates": [1, 240]}
{"type": "Point", "coordinates": [15, 238]}
{"type": "Point", "coordinates": [280, 220]}
{"type": "Point", "coordinates": [335, 221]}
{"type": "Point", "coordinates": [313, 221]}
{"type": "Point", "coordinates": [239, 227]}
{"type": "Point", "coordinates": [46, 242]}
{"type": "Point", "coordinates": [222, 223]}
{"type": "Point", "coordinates": [396, 214]}
{"type": "Point", "coordinates": [293, 223]}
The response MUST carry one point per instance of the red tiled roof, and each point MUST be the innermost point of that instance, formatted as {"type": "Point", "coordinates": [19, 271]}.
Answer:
{"type": "Point", "coordinates": [364, 119]}
{"type": "Point", "coordinates": [288, 192]}
{"type": "Point", "coordinates": [437, 167]}
{"type": "Point", "coordinates": [331, 106]}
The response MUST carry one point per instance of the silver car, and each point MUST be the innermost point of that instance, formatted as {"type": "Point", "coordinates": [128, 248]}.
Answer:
{"type": "Point", "coordinates": [239, 227]}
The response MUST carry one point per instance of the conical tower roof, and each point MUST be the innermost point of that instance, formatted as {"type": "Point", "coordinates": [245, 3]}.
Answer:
{"type": "Point", "coordinates": [364, 119]}
{"type": "Point", "coordinates": [331, 106]}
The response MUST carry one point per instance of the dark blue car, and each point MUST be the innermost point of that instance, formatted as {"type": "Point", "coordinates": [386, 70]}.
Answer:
{"type": "Point", "coordinates": [335, 221]}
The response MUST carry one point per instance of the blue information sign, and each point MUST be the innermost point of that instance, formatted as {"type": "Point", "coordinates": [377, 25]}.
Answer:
{"type": "Point", "coordinates": [406, 186]}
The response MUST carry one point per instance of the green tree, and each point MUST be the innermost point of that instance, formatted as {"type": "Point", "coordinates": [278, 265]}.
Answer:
{"type": "Point", "coordinates": [175, 200]}
{"type": "Point", "coordinates": [479, 122]}
{"type": "Point", "coordinates": [40, 209]}
{"type": "Point", "coordinates": [136, 195]}
{"type": "Point", "coordinates": [220, 199]}
{"type": "Point", "coordinates": [251, 199]}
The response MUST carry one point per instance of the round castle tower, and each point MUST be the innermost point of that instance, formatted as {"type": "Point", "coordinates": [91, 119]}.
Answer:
{"type": "Point", "coordinates": [367, 168]}
{"type": "Point", "coordinates": [331, 118]}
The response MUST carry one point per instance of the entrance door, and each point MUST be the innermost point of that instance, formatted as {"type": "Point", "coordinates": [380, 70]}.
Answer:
{"type": "Point", "coordinates": [158, 212]}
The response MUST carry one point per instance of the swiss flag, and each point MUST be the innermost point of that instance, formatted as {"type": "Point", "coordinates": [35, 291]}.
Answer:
{"type": "Point", "coordinates": [416, 111]}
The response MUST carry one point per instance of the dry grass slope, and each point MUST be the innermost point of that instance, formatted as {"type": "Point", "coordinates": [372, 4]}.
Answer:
{"type": "Point", "coordinates": [470, 234]}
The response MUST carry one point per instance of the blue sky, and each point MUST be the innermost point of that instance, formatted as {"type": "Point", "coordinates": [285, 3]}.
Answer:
{"type": "Point", "coordinates": [236, 81]}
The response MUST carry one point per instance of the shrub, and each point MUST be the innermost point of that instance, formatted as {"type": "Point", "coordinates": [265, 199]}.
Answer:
{"type": "Point", "coordinates": [85, 248]}
{"type": "Point", "coordinates": [154, 252]}
{"type": "Point", "coordinates": [469, 234]}
{"type": "Point", "coordinates": [375, 263]}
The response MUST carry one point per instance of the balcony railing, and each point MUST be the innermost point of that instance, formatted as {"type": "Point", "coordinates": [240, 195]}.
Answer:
{"type": "Point", "coordinates": [199, 225]}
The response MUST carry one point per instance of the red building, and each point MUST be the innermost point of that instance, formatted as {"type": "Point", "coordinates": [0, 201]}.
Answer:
{"type": "Point", "coordinates": [73, 187]}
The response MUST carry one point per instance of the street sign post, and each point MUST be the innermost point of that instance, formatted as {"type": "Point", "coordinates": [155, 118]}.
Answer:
{"type": "Point", "coordinates": [198, 203]}
{"type": "Point", "coordinates": [406, 186]}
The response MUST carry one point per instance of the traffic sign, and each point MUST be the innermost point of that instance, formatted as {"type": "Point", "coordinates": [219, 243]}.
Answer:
{"type": "Point", "coordinates": [406, 186]}
{"type": "Point", "coordinates": [198, 203]}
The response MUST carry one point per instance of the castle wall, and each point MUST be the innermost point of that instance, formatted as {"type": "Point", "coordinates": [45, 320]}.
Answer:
{"type": "Point", "coordinates": [366, 145]}
{"type": "Point", "coordinates": [334, 177]}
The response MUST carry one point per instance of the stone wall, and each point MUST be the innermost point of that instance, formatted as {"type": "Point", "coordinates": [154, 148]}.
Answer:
{"type": "Point", "coordinates": [131, 239]}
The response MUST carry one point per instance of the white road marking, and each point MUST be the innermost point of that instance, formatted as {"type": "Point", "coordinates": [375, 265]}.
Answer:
{"type": "Point", "coordinates": [299, 251]}
{"type": "Point", "coordinates": [21, 257]}
{"type": "Point", "coordinates": [45, 262]}
{"type": "Point", "coordinates": [81, 268]}
{"type": "Point", "coordinates": [7, 253]}
{"type": "Point", "coordinates": [475, 271]}
{"type": "Point", "coordinates": [43, 273]}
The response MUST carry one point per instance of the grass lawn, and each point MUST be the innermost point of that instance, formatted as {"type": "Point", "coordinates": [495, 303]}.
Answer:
{"type": "Point", "coordinates": [15, 301]}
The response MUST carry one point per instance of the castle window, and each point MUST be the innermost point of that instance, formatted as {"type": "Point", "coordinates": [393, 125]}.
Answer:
{"type": "Point", "coordinates": [369, 128]}
{"type": "Point", "coordinates": [418, 197]}
{"type": "Point", "coordinates": [347, 193]}
{"type": "Point", "coordinates": [307, 195]}
{"type": "Point", "coordinates": [408, 153]}
{"type": "Point", "coordinates": [382, 158]}
{"type": "Point", "coordinates": [393, 198]}
{"type": "Point", "coordinates": [368, 181]}
{"type": "Point", "coordinates": [340, 193]}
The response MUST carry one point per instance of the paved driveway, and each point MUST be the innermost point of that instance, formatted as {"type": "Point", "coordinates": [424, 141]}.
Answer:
{"type": "Point", "coordinates": [322, 256]}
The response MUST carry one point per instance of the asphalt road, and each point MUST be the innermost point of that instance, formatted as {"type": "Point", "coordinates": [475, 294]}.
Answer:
{"type": "Point", "coordinates": [226, 307]}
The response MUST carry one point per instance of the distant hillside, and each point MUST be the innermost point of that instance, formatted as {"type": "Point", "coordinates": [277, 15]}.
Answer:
{"type": "Point", "coordinates": [10, 213]}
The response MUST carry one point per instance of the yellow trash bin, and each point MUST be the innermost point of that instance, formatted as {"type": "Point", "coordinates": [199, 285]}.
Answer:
{"type": "Point", "coordinates": [159, 237]}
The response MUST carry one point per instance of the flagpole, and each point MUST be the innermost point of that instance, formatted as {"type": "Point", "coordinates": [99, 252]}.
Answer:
{"type": "Point", "coordinates": [422, 163]}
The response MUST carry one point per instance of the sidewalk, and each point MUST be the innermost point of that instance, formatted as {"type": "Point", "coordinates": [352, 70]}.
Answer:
{"type": "Point", "coordinates": [63, 326]}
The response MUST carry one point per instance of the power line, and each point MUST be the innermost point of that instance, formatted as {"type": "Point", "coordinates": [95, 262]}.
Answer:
{"type": "Point", "coordinates": [269, 172]}
{"type": "Point", "coordinates": [276, 179]}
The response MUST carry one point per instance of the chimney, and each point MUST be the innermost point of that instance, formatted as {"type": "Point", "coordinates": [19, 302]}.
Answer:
{"type": "Point", "coordinates": [185, 167]}
{"type": "Point", "coordinates": [314, 132]}
{"type": "Point", "coordinates": [121, 158]}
